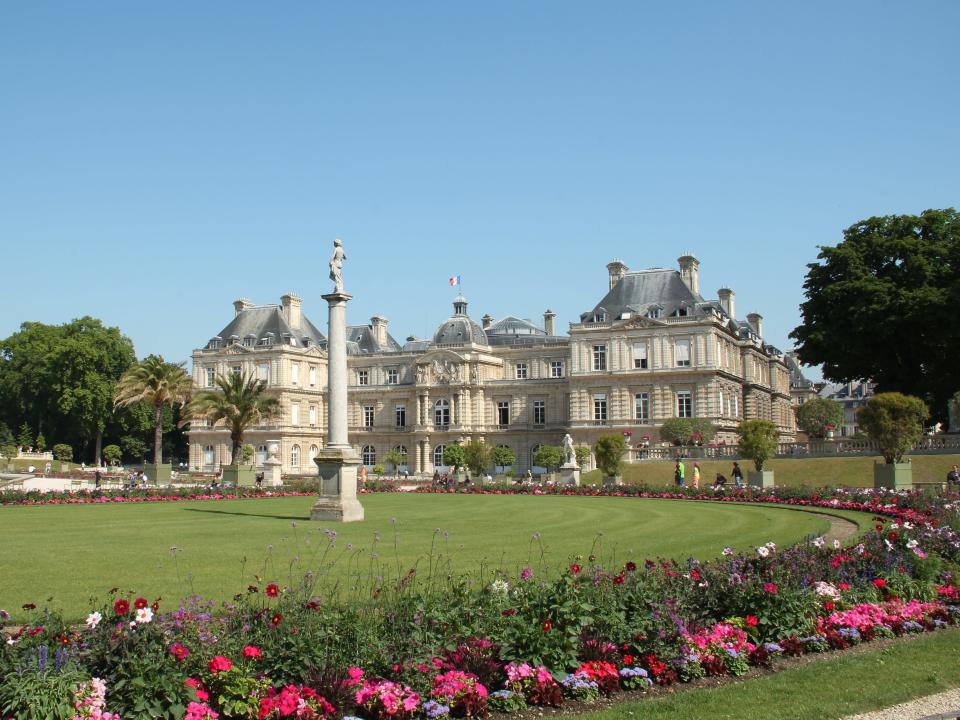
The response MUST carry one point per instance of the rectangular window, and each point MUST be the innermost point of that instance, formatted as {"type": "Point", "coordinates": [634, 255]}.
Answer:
{"type": "Point", "coordinates": [719, 354]}
{"type": "Point", "coordinates": [682, 352]}
{"type": "Point", "coordinates": [263, 372]}
{"type": "Point", "coordinates": [539, 412]}
{"type": "Point", "coordinates": [684, 404]}
{"type": "Point", "coordinates": [313, 376]}
{"type": "Point", "coordinates": [211, 376]}
{"type": "Point", "coordinates": [599, 357]}
{"type": "Point", "coordinates": [503, 413]}
{"type": "Point", "coordinates": [641, 405]}
{"type": "Point", "coordinates": [368, 416]}
{"type": "Point", "coordinates": [401, 411]}
{"type": "Point", "coordinates": [313, 416]}
{"type": "Point", "coordinates": [556, 368]}
{"type": "Point", "coordinates": [600, 408]}
{"type": "Point", "coordinates": [521, 371]}
{"type": "Point", "coordinates": [295, 374]}
{"type": "Point", "coordinates": [640, 356]}
{"type": "Point", "coordinates": [392, 377]}
{"type": "Point", "coordinates": [294, 415]}
{"type": "Point", "coordinates": [736, 406]}
{"type": "Point", "coordinates": [363, 377]}
{"type": "Point", "coordinates": [236, 370]}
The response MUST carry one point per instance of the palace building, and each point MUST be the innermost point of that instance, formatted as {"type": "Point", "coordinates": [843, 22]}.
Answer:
{"type": "Point", "coordinates": [651, 349]}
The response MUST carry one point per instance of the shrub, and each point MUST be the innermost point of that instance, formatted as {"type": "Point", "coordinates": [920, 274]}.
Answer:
{"type": "Point", "coordinates": [8, 451]}
{"type": "Point", "coordinates": [503, 456]}
{"type": "Point", "coordinates": [758, 441]}
{"type": "Point", "coordinates": [455, 455]}
{"type": "Point", "coordinates": [549, 456]}
{"type": "Point", "coordinates": [894, 421]}
{"type": "Point", "coordinates": [477, 456]}
{"type": "Point", "coordinates": [583, 454]}
{"type": "Point", "coordinates": [41, 443]}
{"type": "Point", "coordinates": [111, 453]}
{"type": "Point", "coordinates": [248, 451]}
{"type": "Point", "coordinates": [378, 470]}
{"type": "Point", "coordinates": [609, 454]}
{"type": "Point", "coordinates": [676, 431]}
{"type": "Point", "coordinates": [63, 452]}
{"type": "Point", "coordinates": [818, 415]}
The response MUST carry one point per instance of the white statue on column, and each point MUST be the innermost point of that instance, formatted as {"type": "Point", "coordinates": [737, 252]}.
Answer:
{"type": "Point", "coordinates": [336, 265]}
{"type": "Point", "coordinates": [569, 454]}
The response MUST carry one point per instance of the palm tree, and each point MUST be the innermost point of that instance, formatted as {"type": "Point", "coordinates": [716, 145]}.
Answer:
{"type": "Point", "coordinates": [241, 401]}
{"type": "Point", "coordinates": [157, 383]}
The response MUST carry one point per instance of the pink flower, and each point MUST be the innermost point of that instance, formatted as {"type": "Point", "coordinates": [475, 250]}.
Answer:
{"type": "Point", "coordinates": [251, 652]}
{"type": "Point", "coordinates": [771, 588]}
{"type": "Point", "coordinates": [219, 664]}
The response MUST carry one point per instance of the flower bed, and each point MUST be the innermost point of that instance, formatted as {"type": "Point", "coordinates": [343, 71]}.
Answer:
{"type": "Point", "coordinates": [425, 644]}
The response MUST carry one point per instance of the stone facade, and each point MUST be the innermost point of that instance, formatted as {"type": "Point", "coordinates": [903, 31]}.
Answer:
{"type": "Point", "coordinates": [651, 349]}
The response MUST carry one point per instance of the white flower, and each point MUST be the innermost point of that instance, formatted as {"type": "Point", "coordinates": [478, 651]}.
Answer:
{"type": "Point", "coordinates": [11, 641]}
{"type": "Point", "coordinates": [763, 551]}
{"type": "Point", "coordinates": [825, 589]}
{"type": "Point", "coordinates": [499, 586]}
{"type": "Point", "coordinates": [772, 545]}
{"type": "Point", "coordinates": [836, 544]}
{"type": "Point", "coordinates": [819, 542]}
{"type": "Point", "coordinates": [908, 526]}
{"type": "Point", "coordinates": [93, 619]}
{"type": "Point", "coordinates": [888, 544]}
{"type": "Point", "coordinates": [727, 551]}
{"type": "Point", "coordinates": [144, 615]}
{"type": "Point", "coordinates": [911, 544]}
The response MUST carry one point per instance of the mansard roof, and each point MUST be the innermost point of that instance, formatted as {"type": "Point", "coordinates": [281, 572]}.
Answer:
{"type": "Point", "coordinates": [366, 341]}
{"type": "Point", "coordinates": [263, 321]}
{"type": "Point", "coordinates": [511, 325]}
{"type": "Point", "coordinates": [640, 292]}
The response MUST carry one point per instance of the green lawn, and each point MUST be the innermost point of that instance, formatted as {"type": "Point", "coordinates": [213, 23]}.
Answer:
{"type": "Point", "coordinates": [812, 472]}
{"type": "Point", "coordinates": [62, 555]}
{"type": "Point", "coordinates": [823, 690]}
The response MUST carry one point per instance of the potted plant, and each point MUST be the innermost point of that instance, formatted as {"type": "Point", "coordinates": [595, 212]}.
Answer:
{"type": "Point", "coordinates": [758, 442]}
{"type": "Point", "coordinates": [609, 455]}
{"type": "Point", "coordinates": [895, 422]}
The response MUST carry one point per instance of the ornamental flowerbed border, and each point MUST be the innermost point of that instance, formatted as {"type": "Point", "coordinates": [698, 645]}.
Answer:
{"type": "Point", "coordinates": [429, 644]}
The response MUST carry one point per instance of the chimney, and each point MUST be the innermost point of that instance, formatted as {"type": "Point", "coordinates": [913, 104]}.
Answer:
{"type": "Point", "coordinates": [240, 305]}
{"type": "Point", "coordinates": [617, 270]}
{"type": "Point", "coordinates": [291, 309]}
{"type": "Point", "coordinates": [755, 321]}
{"type": "Point", "coordinates": [487, 321]}
{"type": "Point", "coordinates": [549, 324]}
{"type": "Point", "coordinates": [728, 302]}
{"type": "Point", "coordinates": [690, 272]}
{"type": "Point", "coordinates": [379, 324]}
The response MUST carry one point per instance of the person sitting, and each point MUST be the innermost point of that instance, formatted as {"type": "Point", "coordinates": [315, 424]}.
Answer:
{"type": "Point", "coordinates": [953, 478]}
{"type": "Point", "coordinates": [719, 483]}
{"type": "Point", "coordinates": [259, 482]}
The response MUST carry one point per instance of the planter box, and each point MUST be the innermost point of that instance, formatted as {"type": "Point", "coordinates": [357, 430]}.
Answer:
{"type": "Point", "coordinates": [897, 476]}
{"type": "Point", "coordinates": [239, 475]}
{"type": "Point", "coordinates": [762, 479]}
{"type": "Point", "coordinates": [157, 474]}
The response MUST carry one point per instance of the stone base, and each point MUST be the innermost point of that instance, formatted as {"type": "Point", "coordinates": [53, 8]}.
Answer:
{"type": "Point", "coordinates": [338, 501]}
{"type": "Point", "coordinates": [898, 476]}
{"type": "Point", "coordinates": [762, 479]}
{"type": "Point", "coordinates": [271, 474]}
{"type": "Point", "coordinates": [157, 474]}
{"type": "Point", "coordinates": [239, 475]}
{"type": "Point", "coordinates": [569, 475]}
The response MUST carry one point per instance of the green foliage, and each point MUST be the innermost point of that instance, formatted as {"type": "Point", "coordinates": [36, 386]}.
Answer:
{"type": "Point", "coordinates": [816, 415]}
{"type": "Point", "coordinates": [882, 305]}
{"type": "Point", "coordinates": [41, 443]}
{"type": "Point", "coordinates": [758, 441]}
{"type": "Point", "coordinates": [25, 436]}
{"type": "Point", "coordinates": [248, 451]}
{"type": "Point", "coordinates": [8, 451]}
{"type": "Point", "coordinates": [549, 456]}
{"type": "Point", "coordinates": [6, 436]}
{"type": "Point", "coordinates": [609, 452]}
{"type": "Point", "coordinates": [62, 452]}
{"type": "Point", "coordinates": [241, 401]}
{"type": "Point", "coordinates": [395, 458]}
{"type": "Point", "coordinates": [378, 470]}
{"type": "Point", "coordinates": [702, 430]}
{"type": "Point", "coordinates": [454, 455]}
{"type": "Point", "coordinates": [112, 454]}
{"type": "Point", "coordinates": [134, 447]}
{"type": "Point", "coordinates": [895, 421]}
{"type": "Point", "coordinates": [583, 454]}
{"type": "Point", "coordinates": [477, 456]}
{"type": "Point", "coordinates": [676, 430]}
{"type": "Point", "coordinates": [40, 691]}
{"type": "Point", "coordinates": [502, 455]}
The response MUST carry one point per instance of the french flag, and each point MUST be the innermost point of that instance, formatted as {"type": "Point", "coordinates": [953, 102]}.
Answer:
{"type": "Point", "coordinates": [455, 280]}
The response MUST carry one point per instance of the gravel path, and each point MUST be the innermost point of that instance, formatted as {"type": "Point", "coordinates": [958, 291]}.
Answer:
{"type": "Point", "coordinates": [945, 702]}
{"type": "Point", "coordinates": [841, 529]}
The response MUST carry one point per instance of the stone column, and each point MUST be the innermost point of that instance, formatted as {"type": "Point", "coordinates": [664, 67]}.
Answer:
{"type": "Point", "coordinates": [272, 464]}
{"type": "Point", "coordinates": [337, 463]}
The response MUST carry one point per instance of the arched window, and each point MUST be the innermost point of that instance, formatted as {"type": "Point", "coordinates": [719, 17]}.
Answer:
{"type": "Point", "coordinates": [441, 412]}
{"type": "Point", "coordinates": [369, 455]}
{"type": "Point", "coordinates": [208, 455]}
{"type": "Point", "coordinates": [402, 449]}
{"type": "Point", "coordinates": [438, 455]}
{"type": "Point", "coordinates": [295, 456]}
{"type": "Point", "coordinates": [314, 451]}
{"type": "Point", "coordinates": [533, 454]}
{"type": "Point", "coordinates": [261, 454]}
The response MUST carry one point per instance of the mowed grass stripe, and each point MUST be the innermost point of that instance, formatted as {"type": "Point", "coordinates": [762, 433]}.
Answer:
{"type": "Point", "coordinates": [65, 554]}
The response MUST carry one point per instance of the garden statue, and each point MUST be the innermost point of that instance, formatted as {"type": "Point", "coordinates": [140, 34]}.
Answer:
{"type": "Point", "coordinates": [569, 454]}
{"type": "Point", "coordinates": [336, 265]}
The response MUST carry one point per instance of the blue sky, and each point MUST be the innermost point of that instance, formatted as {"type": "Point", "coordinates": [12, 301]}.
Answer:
{"type": "Point", "coordinates": [158, 161]}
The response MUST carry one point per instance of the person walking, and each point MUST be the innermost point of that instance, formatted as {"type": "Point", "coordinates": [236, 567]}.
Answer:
{"type": "Point", "coordinates": [696, 475]}
{"type": "Point", "coordinates": [737, 474]}
{"type": "Point", "coordinates": [678, 473]}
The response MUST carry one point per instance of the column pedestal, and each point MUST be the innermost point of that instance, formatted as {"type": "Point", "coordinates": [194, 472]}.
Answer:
{"type": "Point", "coordinates": [569, 475]}
{"type": "Point", "coordinates": [338, 486]}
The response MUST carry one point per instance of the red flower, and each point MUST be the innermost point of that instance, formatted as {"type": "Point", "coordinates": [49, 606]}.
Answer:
{"type": "Point", "coordinates": [879, 527]}
{"type": "Point", "coordinates": [751, 620]}
{"type": "Point", "coordinates": [275, 620]}
{"type": "Point", "coordinates": [575, 569]}
{"type": "Point", "coordinates": [893, 536]}
{"type": "Point", "coordinates": [547, 626]}
{"type": "Point", "coordinates": [618, 580]}
{"type": "Point", "coordinates": [198, 689]}
{"type": "Point", "coordinates": [179, 652]}
{"type": "Point", "coordinates": [879, 583]}
{"type": "Point", "coordinates": [121, 607]}
{"type": "Point", "coordinates": [509, 612]}
{"type": "Point", "coordinates": [252, 652]}
{"type": "Point", "coordinates": [140, 603]}
{"type": "Point", "coordinates": [828, 606]}
{"type": "Point", "coordinates": [219, 664]}
{"type": "Point", "coordinates": [770, 588]}
{"type": "Point", "coordinates": [844, 586]}
{"type": "Point", "coordinates": [631, 566]}
{"type": "Point", "coordinates": [628, 660]}
{"type": "Point", "coordinates": [155, 606]}
{"type": "Point", "coordinates": [272, 590]}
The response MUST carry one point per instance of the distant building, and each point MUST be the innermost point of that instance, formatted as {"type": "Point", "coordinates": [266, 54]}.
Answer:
{"type": "Point", "coordinates": [652, 348]}
{"type": "Point", "coordinates": [801, 389]}
{"type": "Point", "coordinates": [852, 396]}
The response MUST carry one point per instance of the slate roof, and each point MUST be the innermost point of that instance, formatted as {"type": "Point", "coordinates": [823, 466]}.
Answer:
{"type": "Point", "coordinates": [639, 292]}
{"type": "Point", "coordinates": [459, 329]}
{"type": "Point", "coordinates": [797, 378]}
{"type": "Point", "coordinates": [366, 342]}
{"type": "Point", "coordinates": [262, 321]}
{"type": "Point", "coordinates": [511, 325]}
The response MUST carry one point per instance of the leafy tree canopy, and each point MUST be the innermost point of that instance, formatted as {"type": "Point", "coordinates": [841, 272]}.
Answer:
{"type": "Point", "coordinates": [549, 456]}
{"type": "Point", "coordinates": [818, 414]}
{"type": "Point", "coordinates": [582, 453]}
{"type": "Point", "coordinates": [758, 441]}
{"type": "Point", "coordinates": [455, 455]}
{"type": "Point", "coordinates": [477, 456]}
{"type": "Point", "coordinates": [503, 455]}
{"type": "Point", "coordinates": [882, 305]}
{"type": "Point", "coordinates": [609, 452]}
{"type": "Point", "coordinates": [895, 421]}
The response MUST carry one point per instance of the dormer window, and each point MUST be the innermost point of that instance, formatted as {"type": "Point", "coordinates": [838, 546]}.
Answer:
{"type": "Point", "coordinates": [215, 342]}
{"type": "Point", "coordinates": [250, 341]}
{"type": "Point", "coordinates": [654, 312]}
{"type": "Point", "coordinates": [599, 316]}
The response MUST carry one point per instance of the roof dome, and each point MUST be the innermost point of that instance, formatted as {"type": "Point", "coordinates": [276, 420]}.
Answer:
{"type": "Point", "coordinates": [460, 329]}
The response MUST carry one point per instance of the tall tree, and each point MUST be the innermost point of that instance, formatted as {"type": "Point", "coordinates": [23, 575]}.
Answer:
{"type": "Point", "coordinates": [882, 305]}
{"type": "Point", "coordinates": [818, 414]}
{"type": "Point", "coordinates": [157, 383]}
{"type": "Point", "coordinates": [240, 401]}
